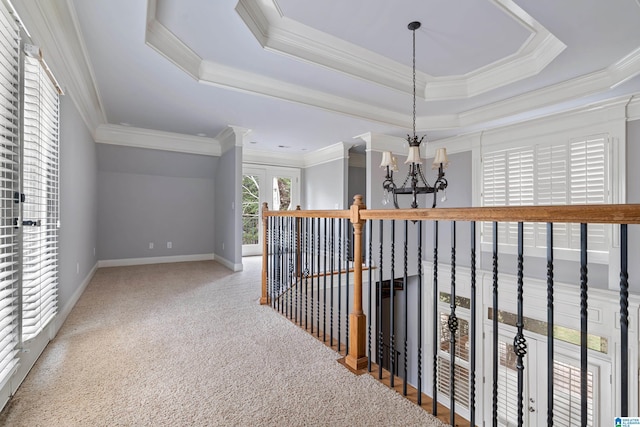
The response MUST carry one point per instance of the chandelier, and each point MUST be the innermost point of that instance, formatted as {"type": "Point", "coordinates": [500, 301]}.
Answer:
{"type": "Point", "coordinates": [415, 182]}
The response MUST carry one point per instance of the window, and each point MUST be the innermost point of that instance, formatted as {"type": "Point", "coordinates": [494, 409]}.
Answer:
{"type": "Point", "coordinates": [28, 193]}
{"type": "Point", "coordinates": [40, 207]}
{"type": "Point", "coordinates": [552, 174]}
{"type": "Point", "coordinates": [9, 181]}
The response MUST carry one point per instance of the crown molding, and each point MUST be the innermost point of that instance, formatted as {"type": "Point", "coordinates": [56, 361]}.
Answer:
{"type": "Point", "coordinates": [163, 41]}
{"type": "Point", "coordinates": [157, 140]}
{"type": "Point", "coordinates": [257, 157]}
{"type": "Point", "coordinates": [339, 151]}
{"type": "Point", "coordinates": [54, 27]}
{"type": "Point", "coordinates": [596, 117]}
{"type": "Point", "coordinates": [284, 35]}
{"type": "Point", "coordinates": [633, 108]}
{"type": "Point", "coordinates": [232, 136]}
{"type": "Point", "coordinates": [229, 77]}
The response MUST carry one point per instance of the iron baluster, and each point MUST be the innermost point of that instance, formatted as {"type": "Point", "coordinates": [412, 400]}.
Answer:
{"type": "Point", "coordinates": [419, 340]}
{"type": "Point", "coordinates": [292, 269]}
{"type": "Point", "coordinates": [472, 404]}
{"type": "Point", "coordinates": [350, 243]}
{"type": "Point", "coordinates": [405, 287]}
{"type": "Point", "coordinates": [306, 273]}
{"type": "Point", "coordinates": [495, 325]}
{"type": "Point", "coordinates": [392, 311]}
{"type": "Point", "coordinates": [318, 258]}
{"type": "Point", "coordinates": [436, 318]}
{"type": "Point", "coordinates": [332, 246]}
{"type": "Point", "coordinates": [370, 237]}
{"type": "Point", "coordinates": [519, 342]}
{"type": "Point", "coordinates": [550, 325]}
{"type": "Point", "coordinates": [313, 275]}
{"type": "Point", "coordinates": [324, 290]}
{"type": "Point", "coordinates": [379, 303]}
{"type": "Point", "coordinates": [453, 325]}
{"type": "Point", "coordinates": [340, 282]}
{"type": "Point", "coordinates": [584, 366]}
{"type": "Point", "coordinates": [624, 323]}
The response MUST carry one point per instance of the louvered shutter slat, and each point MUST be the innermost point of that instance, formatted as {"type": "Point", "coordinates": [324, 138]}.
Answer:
{"type": "Point", "coordinates": [9, 155]}
{"type": "Point", "coordinates": [40, 185]}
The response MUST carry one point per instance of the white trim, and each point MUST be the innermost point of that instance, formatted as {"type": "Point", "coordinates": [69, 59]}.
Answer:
{"type": "Point", "coordinates": [63, 313]}
{"type": "Point", "coordinates": [157, 140]}
{"type": "Point", "coordinates": [633, 108]}
{"type": "Point", "coordinates": [271, 158]}
{"type": "Point", "coordinates": [285, 35]}
{"type": "Point", "coordinates": [155, 260]}
{"type": "Point", "coordinates": [232, 136]}
{"type": "Point", "coordinates": [54, 26]}
{"type": "Point", "coordinates": [339, 151]}
{"type": "Point", "coordinates": [230, 265]}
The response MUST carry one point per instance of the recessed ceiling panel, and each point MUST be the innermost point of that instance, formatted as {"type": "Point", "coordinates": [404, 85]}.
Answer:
{"type": "Point", "coordinates": [456, 37]}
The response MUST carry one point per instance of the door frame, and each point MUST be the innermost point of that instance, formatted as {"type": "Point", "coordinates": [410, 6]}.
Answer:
{"type": "Point", "coordinates": [266, 174]}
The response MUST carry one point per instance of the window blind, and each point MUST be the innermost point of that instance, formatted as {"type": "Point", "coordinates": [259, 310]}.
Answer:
{"type": "Point", "coordinates": [9, 185]}
{"type": "Point", "coordinates": [575, 172]}
{"type": "Point", "coordinates": [567, 395]}
{"type": "Point", "coordinates": [461, 372]}
{"type": "Point", "coordinates": [41, 208]}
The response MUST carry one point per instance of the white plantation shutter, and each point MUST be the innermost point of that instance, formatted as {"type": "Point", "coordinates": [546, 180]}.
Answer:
{"type": "Point", "coordinates": [547, 174]}
{"type": "Point", "coordinates": [40, 209]}
{"type": "Point", "coordinates": [461, 373]}
{"type": "Point", "coordinates": [567, 395]}
{"type": "Point", "coordinates": [9, 185]}
{"type": "Point", "coordinates": [589, 184]}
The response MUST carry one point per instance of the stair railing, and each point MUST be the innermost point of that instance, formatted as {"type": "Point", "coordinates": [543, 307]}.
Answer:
{"type": "Point", "coordinates": [307, 273]}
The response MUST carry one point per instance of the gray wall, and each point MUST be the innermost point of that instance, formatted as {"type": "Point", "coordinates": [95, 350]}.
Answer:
{"type": "Point", "coordinates": [324, 185]}
{"type": "Point", "coordinates": [228, 212]}
{"type": "Point", "coordinates": [78, 202]}
{"type": "Point", "coordinates": [357, 184]}
{"type": "Point", "coordinates": [154, 196]}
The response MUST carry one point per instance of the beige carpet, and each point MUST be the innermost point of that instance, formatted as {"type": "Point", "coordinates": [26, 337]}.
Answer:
{"type": "Point", "coordinates": [188, 344]}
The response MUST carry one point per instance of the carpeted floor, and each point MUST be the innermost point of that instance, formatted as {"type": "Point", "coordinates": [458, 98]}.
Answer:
{"type": "Point", "coordinates": [187, 344]}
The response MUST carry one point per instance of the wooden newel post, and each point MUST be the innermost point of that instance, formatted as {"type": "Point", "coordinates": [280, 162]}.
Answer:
{"type": "Point", "coordinates": [264, 299]}
{"type": "Point", "coordinates": [357, 359]}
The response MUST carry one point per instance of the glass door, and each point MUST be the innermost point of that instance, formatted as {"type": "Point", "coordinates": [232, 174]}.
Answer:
{"type": "Point", "coordinates": [252, 182]}
{"type": "Point", "coordinates": [278, 187]}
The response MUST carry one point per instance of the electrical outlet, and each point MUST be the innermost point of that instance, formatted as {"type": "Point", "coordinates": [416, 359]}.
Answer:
{"type": "Point", "coordinates": [223, 246]}
{"type": "Point", "coordinates": [77, 268]}
{"type": "Point", "coordinates": [150, 245]}
{"type": "Point", "coordinates": [169, 245]}
{"type": "Point", "coordinates": [94, 251]}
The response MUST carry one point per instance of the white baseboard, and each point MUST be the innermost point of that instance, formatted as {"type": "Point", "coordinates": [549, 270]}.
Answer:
{"type": "Point", "coordinates": [230, 265]}
{"type": "Point", "coordinates": [154, 260]}
{"type": "Point", "coordinates": [64, 311]}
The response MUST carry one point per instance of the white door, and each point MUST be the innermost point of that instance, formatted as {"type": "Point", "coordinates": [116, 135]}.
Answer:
{"type": "Point", "coordinates": [508, 383]}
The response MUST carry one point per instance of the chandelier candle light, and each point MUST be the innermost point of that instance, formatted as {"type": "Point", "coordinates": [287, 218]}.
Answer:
{"type": "Point", "coordinates": [414, 183]}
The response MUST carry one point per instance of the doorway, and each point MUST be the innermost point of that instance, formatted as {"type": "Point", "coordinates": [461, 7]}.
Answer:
{"type": "Point", "coordinates": [278, 187]}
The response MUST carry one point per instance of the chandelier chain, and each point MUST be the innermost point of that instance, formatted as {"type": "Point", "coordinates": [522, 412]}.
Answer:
{"type": "Point", "coordinates": [414, 83]}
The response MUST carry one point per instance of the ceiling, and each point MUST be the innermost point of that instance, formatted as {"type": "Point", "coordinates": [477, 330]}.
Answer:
{"type": "Point", "coordinates": [306, 74]}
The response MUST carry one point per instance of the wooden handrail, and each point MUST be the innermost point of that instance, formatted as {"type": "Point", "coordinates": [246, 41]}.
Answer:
{"type": "Point", "coordinates": [311, 214]}
{"type": "Point", "coordinates": [592, 214]}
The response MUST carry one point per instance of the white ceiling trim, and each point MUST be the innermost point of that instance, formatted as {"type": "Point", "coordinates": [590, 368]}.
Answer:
{"type": "Point", "coordinates": [157, 140]}
{"type": "Point", "coordinates": [339, 151]}
{"type": "Point", "coordinates": [54, 27]}
{"type": "Point", "coordinates": [284, 35]}
{"type": "Point", "coordinates": [257, 157]}
{"type": "Point", "coordinates": [229, 77]}
{"type": "Point", "coordinates": [165, 42]}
